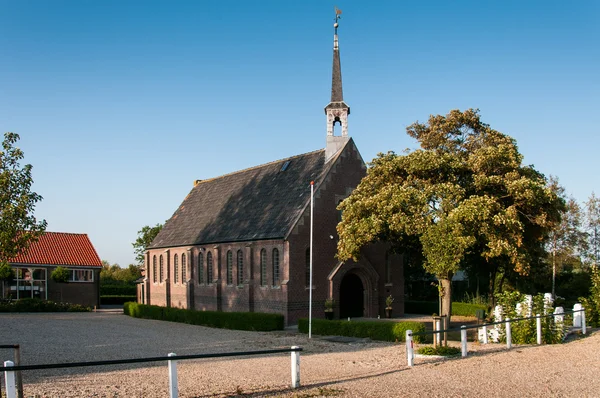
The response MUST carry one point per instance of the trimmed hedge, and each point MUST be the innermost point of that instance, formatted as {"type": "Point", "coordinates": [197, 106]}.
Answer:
{"type": "Point", "coordinates": [432, 307]}
{"type": "Point", "coordinates": [37, 305]}
{"type": "Point", "coordinates": [375, 330]}
{"type": "Point", "coordinates": [116, 299]}
{"type": "Point", "coordinates": [118, 290]}
{"type": "Point", "coordinates": [255, 321]}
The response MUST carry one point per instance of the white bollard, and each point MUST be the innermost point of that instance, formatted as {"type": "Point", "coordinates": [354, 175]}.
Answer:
{"type": "Point", "coordinates": [295, 367]}
{"type": "Point", "coordinates": [538, 324]}
{"type": "Point", "coordinates": [410, 355]}
{"type": "Point", "coordinates": [508, 334]}
{"type": "Point", "coordinates": [485, 334]}
{"type": "Point", "coordinates": [463, 340]}
{"type": "Point", "coordinates": [173, 387]}
{"type": "Point", "coordinates": [9, 381]}
{"type": "Point", "coordinates": [577, 315]}
{"type": "Point", "coordinates": [559, 316]}
{"type": "Point", "coordinates": [583, 328]}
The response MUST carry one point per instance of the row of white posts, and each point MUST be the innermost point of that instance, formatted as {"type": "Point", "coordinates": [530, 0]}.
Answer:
{"type": "Point", "coordinates": [578, 322]}
{"type": "Point", "coordinates": [11, 385]}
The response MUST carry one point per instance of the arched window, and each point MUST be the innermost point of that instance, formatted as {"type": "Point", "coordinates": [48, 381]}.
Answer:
{"type": "Point", "coordinates": [175, 269]}
{"type": "Point", "coordinates": [240, 267]}
{"type": "Point", "coordinates": [263, 267]}
{"type": "Point", "coordinates": [276, 280]}
{"type": "Point", "coordinates": [183, 268]}
{"type": "Point", "coordinates": [154, 274]}
{"type": "Point", "coordinates": [307, 263]}
{"type": "Point", "coordinates": [200, 268]}
{"type": "Point", "coordinates": [209, 268]}
{"type": "Point", "coordinates": [162, 268]}
{"type": "Point", "coordinates": [229, 267]}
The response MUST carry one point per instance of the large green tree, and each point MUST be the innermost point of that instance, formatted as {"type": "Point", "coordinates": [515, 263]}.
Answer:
{"type": "Point", "coordinates": [464, 193]}
{"type": "Point", "coordinates": [592, 226]}
{"type": "Point", "coordinates": [145, 236]}
{"type": "Point", "coordinates": [18, 226]}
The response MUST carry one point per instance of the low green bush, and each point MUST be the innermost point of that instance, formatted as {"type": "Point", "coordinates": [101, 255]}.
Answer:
{"type": "Point", "coordinates": [439, 350]}
{"type": "Point", "coordinates": [432, 307]}
{"type": "Point", "coordinates": [118, 290]}
{"type": "Point", "coordinates": [256, 321]}
{"type": "Point", "coordinates": [117, 299]}
{"type": "Point", "coordinates": [375, 330]}
{"type": "Point", "coordinates": [37, 305]}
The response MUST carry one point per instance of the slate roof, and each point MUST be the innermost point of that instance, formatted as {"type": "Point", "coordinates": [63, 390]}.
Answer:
{"type": "Point", "coordinates": [58, 248]}
{"type": "Point", "coordinates": [258, 203]}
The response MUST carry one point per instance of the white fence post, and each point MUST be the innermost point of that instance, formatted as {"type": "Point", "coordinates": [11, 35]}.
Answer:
{"type": "Point", "coordinates": [173, 388]}
{"type": "Point", "coordinates": [538, 324]}
{"type": "Point", "coordinates": [409, 348]}
{"type": "Point", "coordinates": [485, 334]}
{"type": "Point", "coordinates": [508, 334]}
{"type": "Point", "coordinates": [9, 381]}
{"type": "Point", "coordinates": [463, 340]}
{"type": "Point", "coordinates": [295, 367]}
{"type": "Point", "coordinates": [577, 315]}
{"type": "Point", "coordinates": [583, 328]}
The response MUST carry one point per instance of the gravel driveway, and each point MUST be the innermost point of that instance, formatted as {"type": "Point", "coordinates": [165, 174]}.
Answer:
{"type": "Point", "coordinates": [359, 369]}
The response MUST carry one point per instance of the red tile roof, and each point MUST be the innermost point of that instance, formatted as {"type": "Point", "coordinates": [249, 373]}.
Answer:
{"type": "Point", "coordinates": [59, 248]}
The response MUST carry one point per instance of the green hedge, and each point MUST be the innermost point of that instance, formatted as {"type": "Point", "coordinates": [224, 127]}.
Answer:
{"type": "Point", "coordinates": [432, 307]}
{"type": "Point", "coordinates": [37, 305]}
{"type": "Point", "coordinates": [375, 330]}
{"type": "Point", "coordinates": [118, 290]}
{"type": "Point", "coordinates": [216, 319]}
{"type": "Point", "coordinates": [116, 299]}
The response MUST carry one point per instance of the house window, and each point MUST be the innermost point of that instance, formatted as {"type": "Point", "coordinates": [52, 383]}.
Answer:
{"type": "Point", "coordinates": [209, 268]}
{"type": "Point", "coordinates": [162, 268]}
{"type": "Point", "coordinates": [183, 268]}
{"type": "Point", "coordinates": [154, 268]}
{"type": "Point", "coordinates": [200, 268]}
{"type": "Point", "coordinates": [229, 267]}
{"type": "Point", "coordinates": [307, 263]}
{"type": "Point", "coordinates": [263, 267]}
{"type": "Point", "coordinates": [175, 269]}
{"type": "Point", "coordinates": [240, 267]}
{"type": "Point", "coordinates": [82, 275]}
{"type": "Point", "coordinates": [276, 280]}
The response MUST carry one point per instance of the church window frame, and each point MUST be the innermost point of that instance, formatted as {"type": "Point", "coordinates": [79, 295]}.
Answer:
{"type": "Point", "coordinates": [183, 268]}
{"type": "Point", "coordinates": [154, 269]}
{"type": "Point", "coordinates": [229, 265]}
{"type": "Point", "coordinates": [200, 268]}
{"type": "Point", "coordinates": [161, 265]}
{"type": "Point", "coordinates": [240, 267]}
{"type": "Point", "coordinates": [276, 268]}
{"type": "Point", "coordinates": [175, 269]}
{"type": "Point", "coordinates": [209, 268]}
{"type": "Point", "coordinates": [263, 267]}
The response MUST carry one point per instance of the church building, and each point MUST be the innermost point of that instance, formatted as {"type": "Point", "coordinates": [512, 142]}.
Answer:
{"type": "Point", "coordinates": [241, 241]}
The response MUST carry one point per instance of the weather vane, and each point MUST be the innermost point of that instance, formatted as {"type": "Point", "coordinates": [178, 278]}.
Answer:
{"type": "Point", "coordinates": [338, 13]}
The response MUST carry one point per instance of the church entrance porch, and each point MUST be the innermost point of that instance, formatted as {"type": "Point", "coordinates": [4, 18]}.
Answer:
{"type": "Point", "coordinates": [352, 297]}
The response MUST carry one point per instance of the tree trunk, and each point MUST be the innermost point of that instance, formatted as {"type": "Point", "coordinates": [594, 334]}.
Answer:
{"type": "Point", "coordinates": [445, 297]}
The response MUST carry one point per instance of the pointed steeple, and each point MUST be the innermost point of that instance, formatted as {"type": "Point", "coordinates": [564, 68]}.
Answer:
{"type": "Point", "coordinates": [337, 111]}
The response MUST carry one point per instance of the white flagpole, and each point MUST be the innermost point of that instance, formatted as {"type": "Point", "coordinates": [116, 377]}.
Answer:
{"type": "Point", "coordinates": [310, 279]}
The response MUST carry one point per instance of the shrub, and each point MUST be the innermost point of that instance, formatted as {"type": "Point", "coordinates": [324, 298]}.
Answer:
{"type": "Point", "coordinates": [375, 330]}
{"type": "Point", "coordinates": [256, 321]}
{"type": "Point", "coordinates": [467, 309]}
{"type": "Point", "coordinates": [591, 304]}
{"type": "Point", "coordinates": [439, 350]}
{"type": "Point", "coordinates": [432, 307]}
{"type": "Point", "coordinates": [117, 299]}
{"type": "Point", "coordinates": [118, 290]}
{"type": "Point", "coordinates": [37, 305]}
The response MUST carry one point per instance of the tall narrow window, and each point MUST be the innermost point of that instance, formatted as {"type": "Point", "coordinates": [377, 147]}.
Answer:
{"type": "Point", "coordinates": [162, 268]}
{"type": "Point", "coordinates": [308, 267]}
{"type": "Point", "coordinates": [229, 267]}
{"type": "Point", "coordinates": [200, 268]}
{"type": "Point", "coordinates": [263, 267]}
{"type": "Point", "coordinates": [209, 268]}
{"type": "Point", "coordinates": [183, 268]}
{"type": "Point", "coordinates": [240, 267]}
{"type": "Point", "coordinates": [154, 275]}
{"type": "Point", "coordinates": [388, 268]}
{"type": "Point", "coordinates": [175, 269]}
{"type": "Point", "coordinates": [276, 280]}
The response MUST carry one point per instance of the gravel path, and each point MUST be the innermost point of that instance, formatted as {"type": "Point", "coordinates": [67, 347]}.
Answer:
{"type": "Point", "coordinates": [359, 369]}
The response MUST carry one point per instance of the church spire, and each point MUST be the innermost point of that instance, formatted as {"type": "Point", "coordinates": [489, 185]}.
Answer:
{"type": "Point", "coordinates": [337, 111]}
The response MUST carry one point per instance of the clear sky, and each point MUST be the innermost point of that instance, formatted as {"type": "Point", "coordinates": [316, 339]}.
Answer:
{"type": "Point", "coordinates": [121, 105]}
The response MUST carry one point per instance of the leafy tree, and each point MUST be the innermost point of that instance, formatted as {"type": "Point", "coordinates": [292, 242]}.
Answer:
{"type": "Point", "coordinates": [6, 275]}
{"type": "Point", "coordinates": [145, 237]}
{"type": "Point", "coordinates": [18, 226]}
{"type": "Point", "coordinates": [114, 274]}
{"type": "Point", "coordinates": [60, 275]}
{"type": "Point", "coordinates": [591, 304]}
{"type": "Point", "coordinates": [464, 195]}
{"type": "Point", "coordinates": [592, 224]}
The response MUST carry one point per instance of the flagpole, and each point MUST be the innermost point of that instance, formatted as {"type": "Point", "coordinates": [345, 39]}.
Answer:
{"type": "Point", "coordinates": [310, 279]}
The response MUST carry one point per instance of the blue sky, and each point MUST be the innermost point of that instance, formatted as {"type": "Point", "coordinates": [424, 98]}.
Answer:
{"type": "Point", "coordinates": [121, 105]}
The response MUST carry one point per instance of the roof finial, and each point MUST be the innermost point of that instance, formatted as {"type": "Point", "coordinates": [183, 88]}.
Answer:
{"type": "Point", "coordinates": [338, 15]}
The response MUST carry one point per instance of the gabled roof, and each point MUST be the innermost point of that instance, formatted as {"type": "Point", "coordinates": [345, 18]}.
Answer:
{"type": "Point", "coordinates": [59, 248]}
{"type": "Point", "coordinates": [262, 202]}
